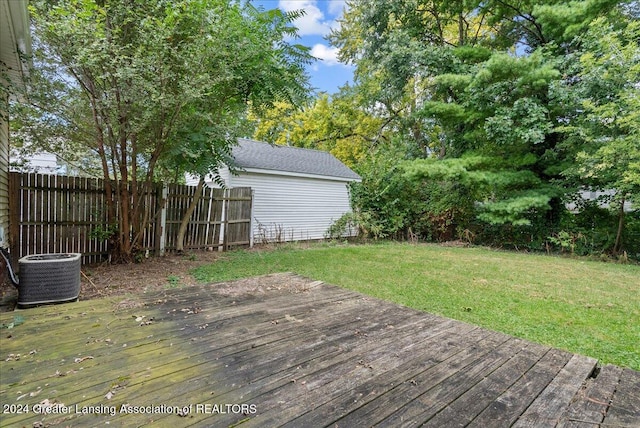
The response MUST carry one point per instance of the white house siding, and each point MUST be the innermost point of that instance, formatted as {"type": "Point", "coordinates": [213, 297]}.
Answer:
{"type": "Point", "coordinates": [39, 162]}
{"type": "Point", "coordinates": [288, 208]}
{"type": "Point", "coordinates": [14, 37]}
{"type": "Point", "coordinates": [590, 195]}
{"type": "Point", "coordinates": [4, 181]}
{"type": "Point", "coordinates": [192, 180]}
{"type": "Point", "coordinates": [593, 195]}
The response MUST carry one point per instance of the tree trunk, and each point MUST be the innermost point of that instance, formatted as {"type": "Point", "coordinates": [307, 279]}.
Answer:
{"type": "Point", "coordinates": [461, 27]}
{"type": "Point", "coordinates": [187, 215]}
{"type": "Point", "coordinates": [124, 207]}
{"type": "Point", "coordinates": [618, 245]}
{"type": "Point", "coordinates": [90, 91]}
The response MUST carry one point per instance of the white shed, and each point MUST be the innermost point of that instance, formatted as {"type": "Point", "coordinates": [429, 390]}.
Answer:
{"type": "Point", "coordinates": [297, 193]}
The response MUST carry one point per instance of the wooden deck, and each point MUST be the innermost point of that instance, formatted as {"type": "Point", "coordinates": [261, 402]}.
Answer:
{"type": "Point", "coordinates": [287, 351]}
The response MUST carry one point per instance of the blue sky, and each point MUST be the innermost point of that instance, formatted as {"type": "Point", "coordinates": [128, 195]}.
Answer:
{"type": "Point", "coordinates": [327, 74]}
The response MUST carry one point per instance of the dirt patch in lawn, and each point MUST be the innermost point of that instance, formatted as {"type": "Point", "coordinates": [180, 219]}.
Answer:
{"type": "Point", "coordinates": [155, 273]}
{"type": "Point", "coordinates": [285, 281]}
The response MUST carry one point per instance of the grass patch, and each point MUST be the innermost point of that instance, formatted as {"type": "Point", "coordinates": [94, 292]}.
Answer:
{"type": "Point", "coordinates": [585, 307]}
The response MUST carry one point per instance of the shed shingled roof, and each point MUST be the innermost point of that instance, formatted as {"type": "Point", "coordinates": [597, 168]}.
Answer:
{"type": "Point", "coordinates": [254, 154]}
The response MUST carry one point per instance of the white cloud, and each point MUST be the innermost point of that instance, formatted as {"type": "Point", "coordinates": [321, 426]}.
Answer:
{"type": "Point", "coordinates": [336, 7]}
{"type": "Point", "coordinates": [313, 22]}
{"type": "Point", "coordinates": [328, 55]}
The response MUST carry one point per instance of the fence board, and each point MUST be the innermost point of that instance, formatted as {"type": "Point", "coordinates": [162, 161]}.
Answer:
{"type": "Point", "coordinates": [204, 226]}
{"type": "Point", "coordinates": [238, 218]}
{"type": "Point", "coordinates": [58, 214]}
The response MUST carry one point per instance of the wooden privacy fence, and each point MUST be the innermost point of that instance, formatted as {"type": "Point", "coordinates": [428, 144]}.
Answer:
{"type": "Point", "coordinates": [59, 214]}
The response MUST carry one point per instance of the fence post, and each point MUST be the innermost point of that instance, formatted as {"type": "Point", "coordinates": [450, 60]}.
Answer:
{"type": "Point", "coordinates": [251, 195]}
{"type": "Point", "coordinates": [225, 213]}
{"type": "Point", "coordinates": [15, 209]}
{"type": "Point", "coordinates": [207, 228]}
{"type": "Point", "coordinates": [161, 229]}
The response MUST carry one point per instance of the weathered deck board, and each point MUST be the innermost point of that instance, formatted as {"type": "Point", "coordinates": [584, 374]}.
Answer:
{"type": "Point", "coordinates": [550, 405]}
{"type": "Point", "coordinates": [302, 354]}
{"type": "Point", "coordinates": [470, 404]}
{"type": "Point", "coordinates": [333, 356]}
{"type": "Point", "coordinates": [380, 395]}
{"type": "Point", "coordinates": [319, 385]}
{"type": "Point", "coordinates": [625, 407]}
{"type": "Point", "coordinates": [143, 338]}
{"type": "Point", "coordinates": [590, 405]}
{"type": "Point", "coordinates": [508, 406]}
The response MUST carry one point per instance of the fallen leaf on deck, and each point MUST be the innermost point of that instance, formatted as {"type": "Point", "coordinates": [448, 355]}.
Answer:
{"type": "Point", "coordinates": [291, 318]}
{"type": "Point", "coordinates": [17, 320]}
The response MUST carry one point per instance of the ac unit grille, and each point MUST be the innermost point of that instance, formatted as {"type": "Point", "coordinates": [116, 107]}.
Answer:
{"type": "Point", "coordinates": [49, 278]}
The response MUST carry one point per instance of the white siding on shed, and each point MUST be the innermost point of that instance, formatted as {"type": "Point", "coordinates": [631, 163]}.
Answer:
{"type": "Point", "coordinates": [298, 193]}
{"type": "Point", "coordinates": [289, 208]}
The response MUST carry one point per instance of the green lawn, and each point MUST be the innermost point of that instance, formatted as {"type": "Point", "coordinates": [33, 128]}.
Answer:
{"type": "Point", "coordinates": [586, 307]}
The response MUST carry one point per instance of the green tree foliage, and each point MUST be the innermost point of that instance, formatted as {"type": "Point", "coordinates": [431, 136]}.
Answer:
{"type": "Point", "coordinates": [404, 46]}
{"type": "Point", "coordinates": [157, 88]}
{"type": "Point", "coordinates": [336, 124]}
{"type": "Point", "coordinates": [515, 105]}
{"type": "Point", "coordinates": [608, 127]}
